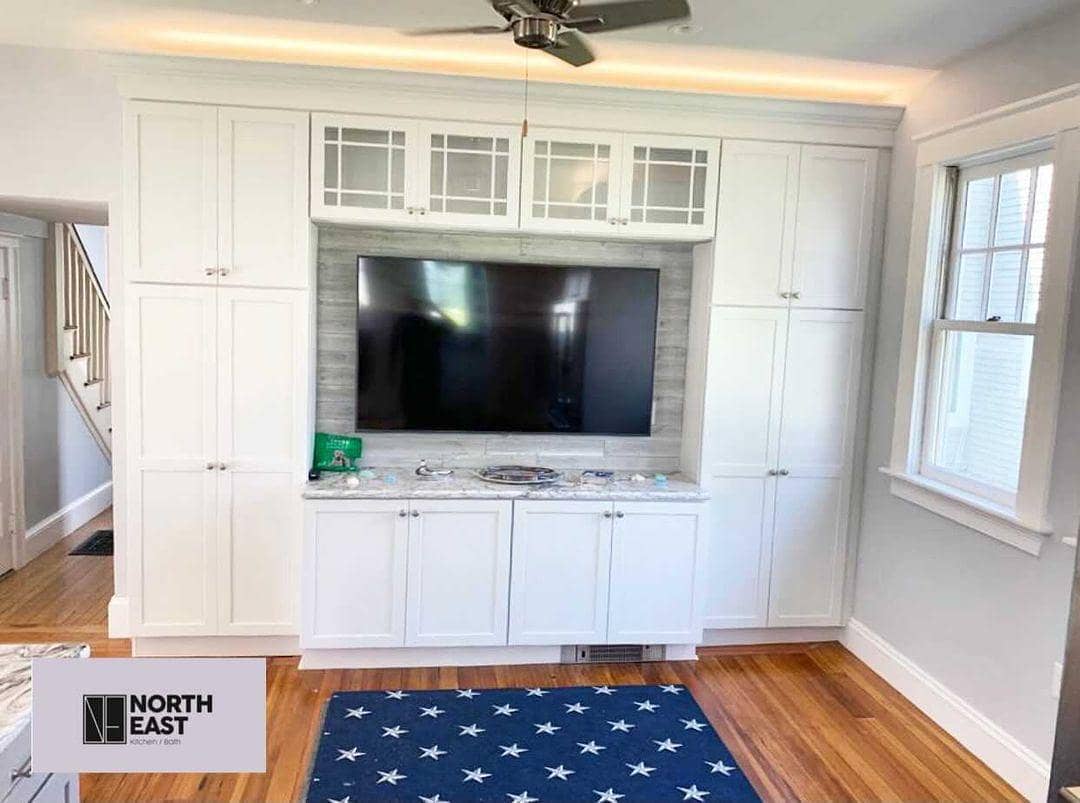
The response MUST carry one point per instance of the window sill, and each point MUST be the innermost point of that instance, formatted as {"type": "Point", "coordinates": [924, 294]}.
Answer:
{"type": "Point", "coordinates": [976, 514]}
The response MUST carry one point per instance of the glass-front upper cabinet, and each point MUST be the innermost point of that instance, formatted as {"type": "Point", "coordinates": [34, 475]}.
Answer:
{"type": "Point", "coordinates": [571, 181]}
{"type": "Point", "coordinates": [469, 174]}
{"type": "Point", "coordinates": [361, 168]}
{"type": "Point", "coordinates": [669, 186]}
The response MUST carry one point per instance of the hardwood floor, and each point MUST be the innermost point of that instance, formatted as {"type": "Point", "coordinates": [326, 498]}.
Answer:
{"type": "Point", "coordinates": [805, 722]}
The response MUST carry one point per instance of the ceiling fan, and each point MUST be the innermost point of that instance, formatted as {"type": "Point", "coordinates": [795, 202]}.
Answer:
{"type": "Point", "coordinates": [555, 26]}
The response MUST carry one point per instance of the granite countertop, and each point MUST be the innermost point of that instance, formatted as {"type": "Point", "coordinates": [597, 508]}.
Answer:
{"type": "Point", "coordinates": [15, 682]}
{"type": "Point", "coordinates": [465, 485]}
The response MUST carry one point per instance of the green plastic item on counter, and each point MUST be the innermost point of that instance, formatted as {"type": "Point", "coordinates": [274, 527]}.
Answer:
{"type": "Point", "coordinates": [336, 452]}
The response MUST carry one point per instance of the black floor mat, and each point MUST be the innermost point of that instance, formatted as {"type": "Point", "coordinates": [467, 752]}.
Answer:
{"type": "Point", "coordinates": [100, 543]}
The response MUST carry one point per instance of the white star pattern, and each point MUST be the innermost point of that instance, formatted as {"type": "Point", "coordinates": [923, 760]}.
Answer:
{"type": "Point", "coordinates": [666, 746]}
{"type": "Point", "coordinates": [343, 800]}
{"type": "Point", "coordinates": [692, 725]}
{"type": "Point", "coordinates": [397, 732]}
{"type": "Point", "coordinates": [470, 730]}
{"type": "Point", "coordinates": [435, 799]}
{"type": "Point", "coordinates": [477, 775]}
{"type": "Point", "coordinates": [432, 752]}
{"type": "Point", "coordinates": [692, 792]}
{"type": "Point", "coordinates": [391, 777]}
{"type": "Point", "coordinates": [523, 798]}
{"type": "Point", "coordinates": [575, 708]}
{"type": "Point", "coordinates": [432, 712]}
{"type": "Point", "coordinates": [396, 695]}
{"type": "Point", "coordinates": [672, 689]}
{"type": "Point", "coordinates": [560, 772]}
{"type": "Point", "coordinates": [647, 705]}
{"type": "Point", "coordinates": [512, 750]}
{"type": "Point", "coordinates": [504, 710]}
{"type": "Point", "coordinates": [358, 713]}
{"type": "Point", "coordinates": [536, 692]}
{"type": "Point", "coordinates": [640, 769]}
{"type": "Point", "coordinates": [621, 725]}
{"type": "Point", "coordinates": [603, 690]}
{"type": "Point", "coordinates": [590, 747]}
{"type": "Point", "coordinates": [719, 766]}
{"type": "Point", "coordinates": [610, 796]}
{"type": "Point", "coordinates": [468, 693]}
{"type": "Point", "coordinates": [547, 727]}
{"type": "Point", "coordinates": [349, 755]}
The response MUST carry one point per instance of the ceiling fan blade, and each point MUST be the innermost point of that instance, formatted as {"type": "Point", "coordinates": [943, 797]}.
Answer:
{"type": "Point", "coordinates": [571, 48]}
{"type": "Point", "coordinates": [511, 9]}
{"type": "Point", "coordinates": [601, 17]}
{"type": "Point", "coordinates": [450, 31]}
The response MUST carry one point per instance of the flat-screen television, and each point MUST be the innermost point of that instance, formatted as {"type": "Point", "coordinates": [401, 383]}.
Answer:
{"type": "Point", "coordinates": [490, 347]}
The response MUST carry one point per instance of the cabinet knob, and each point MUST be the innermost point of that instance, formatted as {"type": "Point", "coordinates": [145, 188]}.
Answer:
{"type": "Point", "coordinates": [210, 466]}
{"type": "Point", "coordinates": [402, 513]}
{"type": "Point", "coordinates": [422, 210]}
{"type": "Point", "coordinates": [411, 210]}
{"type": "Point", "coordinates": [613, 221]}
{"type": "Point", "coordinates": [796, 294]}
{"type": "Point", "coordinates": [607, 514]}
{"type": "Point", "coordinates": [210, 271]}
{"type": "Point", "coordinates": [619, 514]}
{"type": "Point", "coordinates": [416, 514]}
{"type": "Point", "coordinates": [221, 466]}
{"type": "Point", "coordinates": [785, 295]}
{"type": "Point", "coordinates": [625, 221]}
{"type": "Point", "coordinates": [223, 271]}
{"type": "Point", "coordinates": [784, 472]}
{"type": "Point", "coordinates": [773, 472]}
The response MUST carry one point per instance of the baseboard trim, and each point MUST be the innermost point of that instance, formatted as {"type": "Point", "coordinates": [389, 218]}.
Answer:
{"type": "Point", "coordinates": [1022, 768]}
{"type": "Point", "coordinates": [64, 522]}
{"type": "Point", "coordinates": [770, 635]}
{"type": "Point", "coordinates": [407, 657]}
{"type": "Point", "coordinates": [214, 646]}
{"type": "Point", "coordinates": [119, 617]}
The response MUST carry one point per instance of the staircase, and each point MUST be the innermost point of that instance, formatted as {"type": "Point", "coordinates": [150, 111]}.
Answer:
{"type": "Point", "coordinates": [77, 324]}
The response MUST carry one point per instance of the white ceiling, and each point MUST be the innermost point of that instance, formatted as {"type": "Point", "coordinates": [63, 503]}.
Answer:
{"type": "Point", "coordinates": [863, 50]}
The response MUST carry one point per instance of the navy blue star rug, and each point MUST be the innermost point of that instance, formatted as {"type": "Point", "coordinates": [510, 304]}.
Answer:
{"type": "Point", "coordinates": [602, 744]}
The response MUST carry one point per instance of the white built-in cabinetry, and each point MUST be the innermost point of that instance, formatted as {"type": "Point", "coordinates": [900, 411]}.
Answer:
{"type": "Point", "coordinates": [438, 573]}
{"type": "Point", "coordinates": [216, 354]}
{"type": "Point", "coordinates": [440, 174]}
{"type": "Point", "coordinates": [794, 225]}
{"type": "Point", "coordinates": [785, 349]}
{"type": "Point", "coordinates": [215, 195]}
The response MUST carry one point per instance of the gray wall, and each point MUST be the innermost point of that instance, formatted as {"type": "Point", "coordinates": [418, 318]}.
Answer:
{"type": "Point", "coordinates": [336, 357]}
{"type": "Point", "coordinates": [61, 461]}
{"type": "Point", "coordinates": [985, 619]}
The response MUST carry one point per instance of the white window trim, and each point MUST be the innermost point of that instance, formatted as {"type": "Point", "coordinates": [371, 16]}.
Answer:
{"type": "Point", "coordinates": [1052, 121]}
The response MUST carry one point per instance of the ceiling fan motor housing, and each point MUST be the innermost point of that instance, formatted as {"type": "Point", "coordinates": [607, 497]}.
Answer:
{"type": "Point", "coordinates": [535, 32]}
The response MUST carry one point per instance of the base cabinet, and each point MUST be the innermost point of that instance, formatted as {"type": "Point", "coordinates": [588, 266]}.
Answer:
{"type": "Point", "coordinates": [437, 573]}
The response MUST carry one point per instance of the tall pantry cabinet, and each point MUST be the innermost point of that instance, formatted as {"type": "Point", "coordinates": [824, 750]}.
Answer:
{"type": "Point", "coordinates": [789, 270]}
{"type": "Point", "coordinates": [216, 255]}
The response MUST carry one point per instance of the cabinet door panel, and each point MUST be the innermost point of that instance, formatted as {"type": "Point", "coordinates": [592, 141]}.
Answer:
{"type": "Point", "coordinates": [363, 168]}
{"type": "Point", "coordinates": [656, 567]}
{"type": "Point", "coordinates": [570, 181]}
{"type": "Point", "coordinates": [744, 387]}
{"type": "Point", "coordinates": [354, 574]}
{"type": "Point", "coordinates": [808, 552]}
{"type": "Point", "coordinates": [258, 519]}
{"type": "Point", "coordinates": [755, 225]}
{"type": "Point", "coordinates": [559, 579]}
{"type": "Point", "coordinates": [263, 232]}
{"type": "Point", "coordinates": [262, 357]}
{"type": "Point", "coordinates": [834, 226]}
{"type": "Point", "coordinates": [170, 180]}
{"type": "Point", "coordinates": [669, 186]}
{"type": "Point", "coordinates": [459, 573]}
{"type": "Point", "coordinates": [174, 552]}
{"type": "Point", "coordinates": [740, 551]}
{"type": "Point", "coordinates": [821, 386]}
{"type": "Point", "coordinates": [470, 174]}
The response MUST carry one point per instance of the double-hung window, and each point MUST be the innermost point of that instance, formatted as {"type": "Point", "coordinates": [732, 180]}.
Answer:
{"type": "Point", "coordinates": [982, 339]}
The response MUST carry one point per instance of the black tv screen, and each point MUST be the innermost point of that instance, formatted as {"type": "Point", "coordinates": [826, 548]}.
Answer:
{"type": "Point", "coordinates": [485, 347]}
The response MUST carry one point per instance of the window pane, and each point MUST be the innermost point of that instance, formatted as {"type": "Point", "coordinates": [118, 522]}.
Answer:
{"type": "Point", "coordinates": [979, 203]}
{"type": "Point", "coordinates": [1041, 214]}
{"type": "Point", "coordinates": [1012, 208]}
{"type": "Point", "coordinates": [1004, 286]}
{"type": "Point", "coordinates": [1033, 285]}
{"type": "Point", "coordinates": [969, 278]}
{"type": "Point", "coordinates": [981, 408]}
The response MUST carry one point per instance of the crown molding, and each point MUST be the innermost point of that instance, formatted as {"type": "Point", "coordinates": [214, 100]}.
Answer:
{"type": "Point", "coordinates": [316, 88]}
